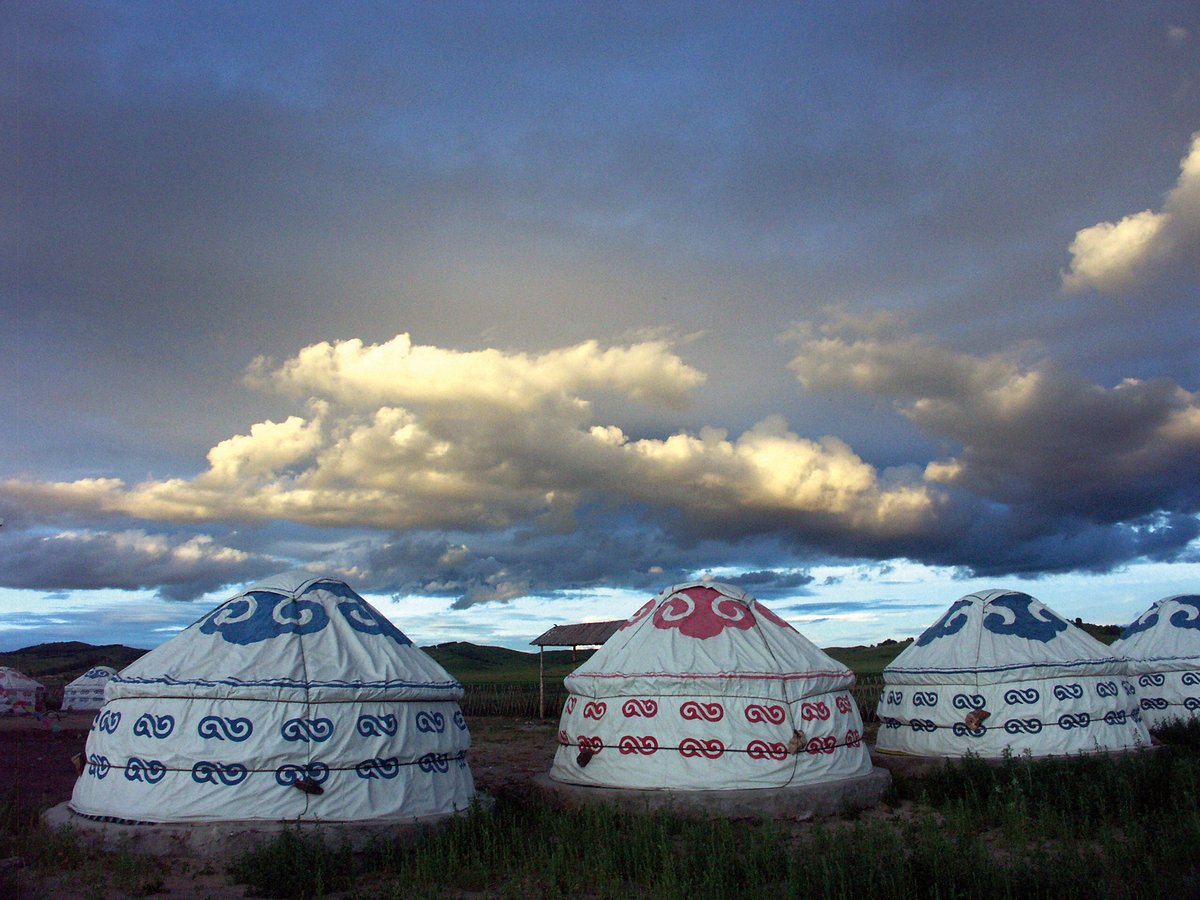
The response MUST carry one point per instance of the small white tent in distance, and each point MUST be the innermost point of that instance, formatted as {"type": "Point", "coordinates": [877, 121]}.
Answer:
{"type": "Point", "coordinates": [705, 689]}
{"type": "Point", "coordinates": [1162, 648]}
{"type": "Point", "coordinates": [1000, 672]}
{"type": "Point", "coordinates": [293, 701]}
{"type": "Point", "coordinates": [87, 691]}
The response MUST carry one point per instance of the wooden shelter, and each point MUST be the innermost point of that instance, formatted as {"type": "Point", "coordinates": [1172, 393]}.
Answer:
{"type": "Point", "coordinates": [585, 634]}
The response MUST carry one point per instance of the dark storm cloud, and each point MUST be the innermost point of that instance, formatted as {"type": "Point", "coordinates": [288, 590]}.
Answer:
{"type": "Point", "coordinates": [175, 567]}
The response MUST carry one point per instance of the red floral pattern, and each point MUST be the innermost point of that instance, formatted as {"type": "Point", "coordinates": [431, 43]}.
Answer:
{"type": "Point", "coordinates": [595, 744]}
{"type": "Point", "coordinates": [710, 749]}
{"type": "Point", "coordinates": [642, 612]}
{"type": "Point", "coordinates": [773, 714]}
{"type": "Point", "coordinates": [710, 712]}
{"type": "Point", "coordinates": [766, 750]}
{"type": "Point", "coordinates": [853, 738]}
{"type": "Point", "coordinates": [643, 745]}
{"type": "Point", "coordinates": [636, 707]}
{"type": "Point", "coordinates": [843, 704]}
{"type": "Point", "coordinates": [818, 710]}
{"type": "Point", "coordinates": [571, 701]}
{"type": "Point", "coordinates": [701, 612]}
{"type": "Point", "coordinates": [817, 745]}
{"type": "Point", "coordinates": [594, 710]}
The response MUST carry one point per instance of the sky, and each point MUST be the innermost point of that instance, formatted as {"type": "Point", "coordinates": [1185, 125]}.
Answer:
{"type": "Point", "coordinates": [513, 314]}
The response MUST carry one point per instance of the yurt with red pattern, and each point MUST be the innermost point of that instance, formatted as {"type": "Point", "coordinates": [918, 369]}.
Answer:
{"type": "Point", "coordinates": [704, 689]}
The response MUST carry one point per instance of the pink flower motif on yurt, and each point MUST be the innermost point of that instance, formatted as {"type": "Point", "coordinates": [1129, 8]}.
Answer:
{"type": "Point", "coordinates": [771, 617]}
{"type": "Point", "coordinates": [701, 612]}
{"type": "Point", "coordinates": [642, 612]}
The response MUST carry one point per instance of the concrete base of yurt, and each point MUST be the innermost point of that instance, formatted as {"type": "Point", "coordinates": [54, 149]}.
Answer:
{"type": "Point", "coordinates": [224, 839]}
{"type": "Point", "coordinates": [906, 766]}
{"type": "Point", "coordinates": [805, 801]}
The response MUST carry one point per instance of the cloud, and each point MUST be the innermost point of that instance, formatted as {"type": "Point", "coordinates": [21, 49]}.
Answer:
{"type": "Point", "coordinates": [176, 567]}
{"type": "Point", "coordinates": [1113, 257]}
{"type": "Point", "coordinates": [491, 439]}
{"type": "Point", "coordinates": [1056, 471]}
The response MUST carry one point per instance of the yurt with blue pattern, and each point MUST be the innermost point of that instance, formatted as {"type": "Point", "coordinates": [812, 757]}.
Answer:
{"type": "Point", "coordinates": [296, 700]}
{"type": "Point", "coordinates": [1000, 672]}
{"type": "Point", "coordinates": [1162, 649]}
{"type": "Point", "coordinates": [87, 691]}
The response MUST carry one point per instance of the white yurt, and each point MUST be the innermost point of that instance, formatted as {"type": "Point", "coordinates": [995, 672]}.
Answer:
{"type": "Point", "coordinates": [705, 689]}
{"type": "Point", "coordinates": [1162, 649]}
{"type": "Point", "coordinates": [1000, 672]}
{"type": "Point", "coordinates": [87, 691]}
{"type": "Point", "coordinates": [295, 700]}
{"type": "Point", "coordinates": [20, 695]}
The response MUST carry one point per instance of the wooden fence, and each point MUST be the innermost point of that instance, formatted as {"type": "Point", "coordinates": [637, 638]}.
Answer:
{"type": "Point", "coordinates": [520, 699]}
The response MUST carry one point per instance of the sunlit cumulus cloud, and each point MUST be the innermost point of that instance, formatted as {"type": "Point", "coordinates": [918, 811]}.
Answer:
{"type": "Point", "coordinates": [1066, 472]}
{"type": "Point", "coordinates": [1114, 256]}
{"type": "Point", "coordinates": [398, 436]}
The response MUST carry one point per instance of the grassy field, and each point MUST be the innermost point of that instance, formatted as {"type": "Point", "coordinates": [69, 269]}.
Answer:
{"type": "Point", "coordinates": [1086, 827]}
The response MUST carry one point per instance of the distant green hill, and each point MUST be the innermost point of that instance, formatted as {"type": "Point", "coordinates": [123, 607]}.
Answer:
{"type": "Point", "coordinates": [67, 660]}
{"type": "Point", "coordinates": [473, 663]}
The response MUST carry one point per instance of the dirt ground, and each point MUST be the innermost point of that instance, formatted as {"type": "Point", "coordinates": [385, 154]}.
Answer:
{"type": "Point", "coordinates": [35, 761]}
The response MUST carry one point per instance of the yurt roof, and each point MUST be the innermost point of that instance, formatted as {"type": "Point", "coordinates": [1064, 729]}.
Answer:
{"type": "Point", "coordinates": [1168, 632]}
{"type": "Point", "coordinates": [708, 637]}
{"type": "Point", "coordinates": [92, 675]}
{"type": "Point", "coordinates": [291, 634]}
{"type": "Point", "coordinates": [12, 678]}
{"type": "Point", "coordinates": [999, 635]}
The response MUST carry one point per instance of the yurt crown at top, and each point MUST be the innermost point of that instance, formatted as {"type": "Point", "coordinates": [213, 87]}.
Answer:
{"type": "Point", "coordinates": [1182, 611]}
{"type": "Point", "coordinates": [272, 609]}
{"type": "Point", "coordinates": [702, 610]}
{"type": "Point", "coordinates": [1004, 613]}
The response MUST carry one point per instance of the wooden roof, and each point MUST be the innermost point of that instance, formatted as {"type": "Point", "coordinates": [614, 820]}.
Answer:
{"type": "Point", "coordinates": [584, 635]}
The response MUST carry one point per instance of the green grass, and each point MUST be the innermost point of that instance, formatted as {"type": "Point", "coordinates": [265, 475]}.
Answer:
{"type": "Point", "coordinates": [1084, 827]}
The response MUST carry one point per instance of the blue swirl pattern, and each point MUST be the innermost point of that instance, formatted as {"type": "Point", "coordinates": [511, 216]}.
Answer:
{"type": "Point", "coordinates": [1187, 618]}
{"type": "Point", "coordinates": [459, 722]}
{"type": "Point", "coordinates": [1017, 696]}
{"type": "Point", "coordinates": [951, 622]}
{"type": "Point", "coordinates": [288, 774]}
{"type": "Point", "coordinates": [98, 765]}
{"type": "Point", "coordinates": [435, 762]}
{"type": "Point", "coordinates": [151, 726]}
{"type": "Point", "coordinates": [920, 725]}
{"type": "Point", "coordinates": [1071, 691]}
{"type": "Point", "coordinates": [1107, 689]}
{"type": "Point", "coordinates": [1152, 680]}
{"type": "Point", "coordinates": [151, 771]}
{"type": "Point", "coordinates": [1023, 726]}
{"type": "Point", "coordinates": [969, 701]}
{"type": "Point", "coordinates": [925, 698]}
{"type": "Point", "coordinates": [377, 767]}
{"type": "Point", "coordinates": [300, 729]}
{"type": "Point", "coordinates": [1191, 678]}
{"type": "Point", "coordinates": [376, 726]}
{"type": "Point", "coordinates": [431, 722]}
{"type": "Point", "coordinates": [1067, 721]}
{"type": "Point", "coordinates": [223, 728]}
{"type": "Point", "coordinates": [1153, 703]}
{"type": "Point", "coordinates": [1116, 717]}
{"type": "Point", "coordinates": [362, 617]}
{"type": "Point", "coordinates": [107, 721]}
{"type": "Point", "coordinates": [228, 774]}
{"type": "Point", "coordinates": [960, 729]}
{"type": "Point", "coordinates": [258, 616]}
{"type": "Point", "coordinates": [1026, 623]}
